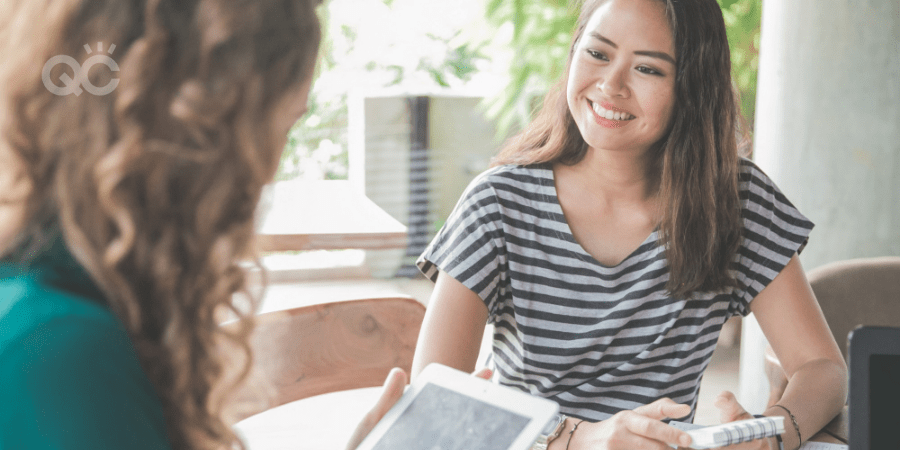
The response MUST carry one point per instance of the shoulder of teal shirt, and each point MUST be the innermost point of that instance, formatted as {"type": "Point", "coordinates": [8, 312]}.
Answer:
{"type": "Point", "coordinates": [71, 378]}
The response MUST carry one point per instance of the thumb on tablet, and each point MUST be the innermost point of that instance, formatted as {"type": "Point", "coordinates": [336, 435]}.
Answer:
{"type": "Point", "coordinates": [484, 373]}
{"type": "Point", "coordinates": [391, 392]}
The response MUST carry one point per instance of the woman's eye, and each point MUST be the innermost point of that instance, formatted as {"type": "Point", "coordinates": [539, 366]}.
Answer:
{"type": "Point", "coordinates": [597, 55]}
{"type": "Point", "coordinates": [648, 71]}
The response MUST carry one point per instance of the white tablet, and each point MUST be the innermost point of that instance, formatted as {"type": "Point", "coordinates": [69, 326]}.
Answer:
{"type": "Point", "coordinates": [446, 409]}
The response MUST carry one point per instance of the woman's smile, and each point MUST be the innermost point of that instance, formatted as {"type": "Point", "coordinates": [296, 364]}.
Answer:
{"type": "Point", "coordinates": [607, 115]}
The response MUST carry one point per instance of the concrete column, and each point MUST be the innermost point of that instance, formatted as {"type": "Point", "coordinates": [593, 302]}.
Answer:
{"type": "Point", "coordinates": [828, 133]}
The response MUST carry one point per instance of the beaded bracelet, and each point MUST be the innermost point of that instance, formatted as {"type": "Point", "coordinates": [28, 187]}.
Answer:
{"type": "Point", "coordinates": [793, 421]}
{"type": "Point", "coordinates": [571, 433]}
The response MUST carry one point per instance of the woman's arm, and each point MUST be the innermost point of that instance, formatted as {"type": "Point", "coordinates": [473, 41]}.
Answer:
{"type": "Point", "coordinates": [453, 327]}
{"type": "Point", "coordinates": [790, 317]}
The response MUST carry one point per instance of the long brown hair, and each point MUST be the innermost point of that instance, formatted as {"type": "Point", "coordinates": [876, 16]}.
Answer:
{"type": "Point", "coordinates": [695, 166]}
{"type": "Point", "coordinates": [154, 185]}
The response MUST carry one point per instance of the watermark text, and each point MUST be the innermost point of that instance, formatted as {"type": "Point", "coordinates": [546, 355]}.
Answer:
{"type": "Point", "coordinates": [80, 82]}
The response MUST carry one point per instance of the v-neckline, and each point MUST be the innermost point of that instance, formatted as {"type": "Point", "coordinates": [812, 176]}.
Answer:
{"type": "Point", "coordinates": [568, 229]}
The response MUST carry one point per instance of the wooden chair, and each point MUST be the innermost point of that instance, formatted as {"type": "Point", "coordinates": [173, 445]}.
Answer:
{"type": "Point", "coordinates": [317, 349]}
{"type": "Point", "coordinates": [851, 293]}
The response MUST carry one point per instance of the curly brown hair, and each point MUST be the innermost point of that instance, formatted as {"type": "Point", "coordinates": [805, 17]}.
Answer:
{"type": "Point", "coordinates": [154, 185]}
{"type": "Point", "coordinates": [694, 166]}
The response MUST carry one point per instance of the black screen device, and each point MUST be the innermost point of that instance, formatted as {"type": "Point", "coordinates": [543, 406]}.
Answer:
{"type": "Point", "coordinates": [874, 402]}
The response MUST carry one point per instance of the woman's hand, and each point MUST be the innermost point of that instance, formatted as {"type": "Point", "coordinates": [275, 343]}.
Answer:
{"type": "Point", "coordinates": [730, 411]}
{"type": "Point", "coordinates": [391, 392]}
{"type": "Point", "coordinates": [627, 430]}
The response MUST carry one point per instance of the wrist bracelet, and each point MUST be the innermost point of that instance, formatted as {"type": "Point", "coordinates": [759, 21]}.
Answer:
{"type": "Point", "coordinates": [569, 441]}
{"type": "Point", "coordinates": [793, 421]}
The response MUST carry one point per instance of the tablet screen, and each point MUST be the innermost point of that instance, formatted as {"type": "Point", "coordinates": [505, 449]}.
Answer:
{"type": "Point", "coordinates": [884, 389]}
{"type": "Point", "coordinates": [441, 419]}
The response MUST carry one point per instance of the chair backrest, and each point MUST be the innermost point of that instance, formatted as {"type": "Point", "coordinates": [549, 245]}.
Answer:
{"type": "Point", "coordinates": [855, 292]}
{"type": "Point", "coordinates": [312, 350]}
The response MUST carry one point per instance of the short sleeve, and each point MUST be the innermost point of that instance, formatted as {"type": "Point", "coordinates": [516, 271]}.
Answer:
{"type": "Point", "coordinates": [470, 246]}
{"type": "Point", "coordinates": [774, 230]}
{"type": "Point", "coordinates": [76, 383]}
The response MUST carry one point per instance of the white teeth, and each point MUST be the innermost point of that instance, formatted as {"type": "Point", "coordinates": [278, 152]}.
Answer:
{"type": "Point", "coordinates": [611, 115]}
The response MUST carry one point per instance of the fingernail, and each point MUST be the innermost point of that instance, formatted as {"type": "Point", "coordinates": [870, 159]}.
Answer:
{"type": "Point", "coordinates": [685, 440]}
{"type": "Point", "coordinates": [391, 374]}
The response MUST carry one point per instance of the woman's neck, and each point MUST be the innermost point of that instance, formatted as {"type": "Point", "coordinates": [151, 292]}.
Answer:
{"type": "Point", "coordinates": [616, 175]}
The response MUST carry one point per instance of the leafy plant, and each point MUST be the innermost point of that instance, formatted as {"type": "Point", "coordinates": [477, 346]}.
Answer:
{"type": "Point", "coordinates": [542, 31]}
{"type": "Point", "coordinates": [742, 20]}
{"type": "Point", "coordinates": [317, 144]}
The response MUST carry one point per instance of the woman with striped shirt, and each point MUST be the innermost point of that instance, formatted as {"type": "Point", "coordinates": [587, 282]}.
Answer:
{"type": "Point", "coordinates": [618, 232]}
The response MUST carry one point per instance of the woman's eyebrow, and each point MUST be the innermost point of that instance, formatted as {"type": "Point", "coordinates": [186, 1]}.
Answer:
{"type": "Point", "coordinates": [653, 54]}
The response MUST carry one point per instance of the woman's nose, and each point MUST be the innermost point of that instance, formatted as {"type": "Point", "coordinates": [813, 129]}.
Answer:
{"type": "Point", "coordinates": [614, 83]}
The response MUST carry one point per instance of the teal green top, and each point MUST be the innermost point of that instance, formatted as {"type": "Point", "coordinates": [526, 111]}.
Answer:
{"type": "Point", "coordinates": [69, 375]}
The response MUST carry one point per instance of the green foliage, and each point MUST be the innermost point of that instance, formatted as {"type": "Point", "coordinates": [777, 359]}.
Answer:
{"type": "Point", "coordinates": [317, 144]}
{"type": "Point", "coordinates": [458, 62]}
{"type": "Point", "coordinates": [742, 20]}
{"type": "Point", "coordinates": [542, 33]}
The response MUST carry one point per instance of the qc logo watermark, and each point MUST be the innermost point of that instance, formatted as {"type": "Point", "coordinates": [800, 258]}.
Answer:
{"type": "Point", "coordinates": [80, 82]}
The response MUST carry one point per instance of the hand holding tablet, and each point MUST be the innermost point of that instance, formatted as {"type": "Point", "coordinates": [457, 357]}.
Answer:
{"type": "Point", "coordinates": [450, 410]}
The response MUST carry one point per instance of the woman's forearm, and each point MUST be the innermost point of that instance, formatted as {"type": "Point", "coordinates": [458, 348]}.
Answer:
{"type": "Point", "coordinates": [815, 394]}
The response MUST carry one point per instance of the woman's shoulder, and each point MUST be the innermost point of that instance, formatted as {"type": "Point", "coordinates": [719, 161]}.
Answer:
{"type": "Point", "coordinates": [750, 174]}
{"type": "Point", "coordinates": [71, 366]}
{"type": "Point", "coordinates": [756, 187]}
{"type": "Point", "coordinates": [29, 304]}
{"type": "Point", "coordinates": [516, 176]}
{"type": "Point", "coordinates": [748, 171]}
{"type": "Point", "coordinates": [768, 215]}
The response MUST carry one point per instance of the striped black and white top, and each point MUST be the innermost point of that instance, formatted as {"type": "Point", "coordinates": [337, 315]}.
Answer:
{"type": "Point", "coordinates": [598, 339]}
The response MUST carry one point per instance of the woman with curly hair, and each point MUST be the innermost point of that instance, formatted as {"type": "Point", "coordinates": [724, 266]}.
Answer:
{"type": "Point", "coordinates": [128, 199]}
{"type": "Point", "coordinates": [619, 231]}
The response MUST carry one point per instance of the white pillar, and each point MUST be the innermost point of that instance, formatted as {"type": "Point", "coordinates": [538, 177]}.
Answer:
{"type": "Point", "coordinates": [827, 131]}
